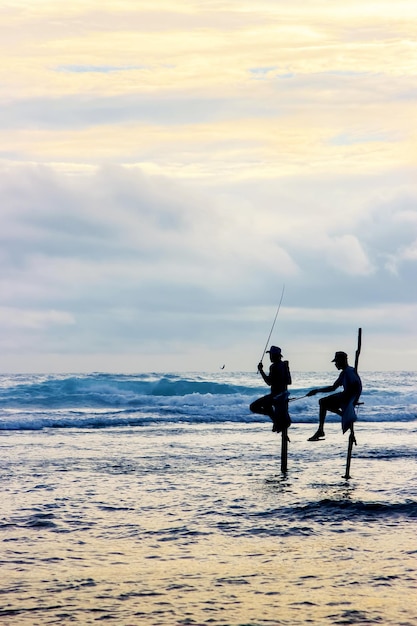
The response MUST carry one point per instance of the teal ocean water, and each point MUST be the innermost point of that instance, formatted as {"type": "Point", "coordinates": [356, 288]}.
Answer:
{"type": "Point", "coordinates": [102, 400]}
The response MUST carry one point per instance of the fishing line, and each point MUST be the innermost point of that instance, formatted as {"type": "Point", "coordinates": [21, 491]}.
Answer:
{"type": "Point", "coordinates": [273, 324]}
{"type": "Point", "coordinates": [298, 398]}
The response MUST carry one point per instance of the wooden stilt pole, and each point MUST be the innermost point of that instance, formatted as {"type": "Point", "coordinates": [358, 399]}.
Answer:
{"type": "Point", "coordinates": [352, 439]}
{"type": "Point", "coordinates": [358, 350]}
{"type": "Point", "coordinates": [284, 450]}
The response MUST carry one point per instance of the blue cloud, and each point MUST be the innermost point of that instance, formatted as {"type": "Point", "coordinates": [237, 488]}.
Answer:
{"type": "Point", "coordinates": [262, 71]}
{"type": "Point", "coordinates": [100, 69]}
{"type": "Point", "coordinates": [77, 111]}
{"type": "Point", "coordinates": [346, 139]}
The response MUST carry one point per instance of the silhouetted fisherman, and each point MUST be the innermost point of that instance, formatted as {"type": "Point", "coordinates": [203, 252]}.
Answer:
{"type": "Point", "coordinates": [342, 403]}
{"type": "Point", "coordinates": [275, 404]}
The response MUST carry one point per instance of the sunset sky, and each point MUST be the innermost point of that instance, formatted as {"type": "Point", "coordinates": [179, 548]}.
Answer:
{"type": "Point", "coordinates": [167, 166]}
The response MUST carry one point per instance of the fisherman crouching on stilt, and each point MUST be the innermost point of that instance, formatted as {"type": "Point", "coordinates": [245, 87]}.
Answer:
{"type": "Point", "coordinates": [275, 404]}
{"type": "Point", "coordinates": [342, 403]}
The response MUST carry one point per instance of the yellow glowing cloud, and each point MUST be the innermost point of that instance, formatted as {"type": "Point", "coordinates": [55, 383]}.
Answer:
{"type": "Point", "coordinates": [190, 45]}
{"type": "Point", "coordinates": [260, 90]}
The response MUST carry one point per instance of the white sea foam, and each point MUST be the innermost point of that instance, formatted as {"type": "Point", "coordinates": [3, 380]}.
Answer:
{"type": "Point", "coordinates": [107, 400]}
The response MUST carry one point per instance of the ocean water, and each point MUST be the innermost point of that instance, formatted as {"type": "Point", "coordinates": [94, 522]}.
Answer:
{"type": "Point", "coordinates": [158, 499]}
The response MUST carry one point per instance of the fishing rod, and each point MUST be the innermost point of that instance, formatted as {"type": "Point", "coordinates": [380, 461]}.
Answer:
{"type": "Point", "coordinates": [273, 324]}
{"type": "Point", "coordinates": [298, 398]}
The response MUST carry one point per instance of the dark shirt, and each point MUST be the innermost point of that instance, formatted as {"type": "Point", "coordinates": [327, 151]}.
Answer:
{"type": "Point", "coordinates": [351, 383]}
{"type": "Point", "coordinates": [279, 377]}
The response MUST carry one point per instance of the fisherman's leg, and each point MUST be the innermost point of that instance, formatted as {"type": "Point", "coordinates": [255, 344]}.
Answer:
{"type": "Point", "coordinates": [263, 406]}
{"type": "Point", "coordinates": [322, 415]}
{"type": "Point", "coordinates": [282, 417]}
{"type": "Point", "coordinates": [328, 403]}
{"type": "Point", "coordinates": [256, 406]}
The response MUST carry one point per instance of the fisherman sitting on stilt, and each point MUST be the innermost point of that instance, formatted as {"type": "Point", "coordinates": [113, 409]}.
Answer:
{"type": "Point", "coordinates": [275, 404]}
{"type": "Point", "coordinates": [342, 403]}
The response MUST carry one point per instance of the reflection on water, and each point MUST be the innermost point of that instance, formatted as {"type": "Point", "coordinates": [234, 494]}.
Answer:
{"type": "Point", "coordinates": [197, 526]}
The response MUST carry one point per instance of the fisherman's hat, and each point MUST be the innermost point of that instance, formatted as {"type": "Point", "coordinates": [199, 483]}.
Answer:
{"type": "Point", "coordinates": [274, 350]}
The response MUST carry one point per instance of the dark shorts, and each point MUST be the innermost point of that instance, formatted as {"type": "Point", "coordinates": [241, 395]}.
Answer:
{"type": "Point", "coordinates": [263, 406]}
{"type": "Point", "coordinates": [276, 409]}
{"type": "Point", "coordinates": [335, 403]}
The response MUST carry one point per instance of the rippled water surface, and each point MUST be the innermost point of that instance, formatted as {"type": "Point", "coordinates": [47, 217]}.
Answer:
{"type": "Point", "coordinates": [195, 524]}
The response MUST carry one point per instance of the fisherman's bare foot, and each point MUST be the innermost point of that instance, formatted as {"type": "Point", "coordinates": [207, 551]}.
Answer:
{"type": "Point", "coordinates": [317, 435]}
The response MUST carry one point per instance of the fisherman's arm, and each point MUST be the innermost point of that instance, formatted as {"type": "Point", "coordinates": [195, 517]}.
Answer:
{"type": "Point", "coordinates": [328, 389]}
{"type": "Point", "coordinates": [262, 373]}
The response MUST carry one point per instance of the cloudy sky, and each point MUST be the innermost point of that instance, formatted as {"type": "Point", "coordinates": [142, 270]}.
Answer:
{"type": "Point", "coordinates": [167, 166]}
